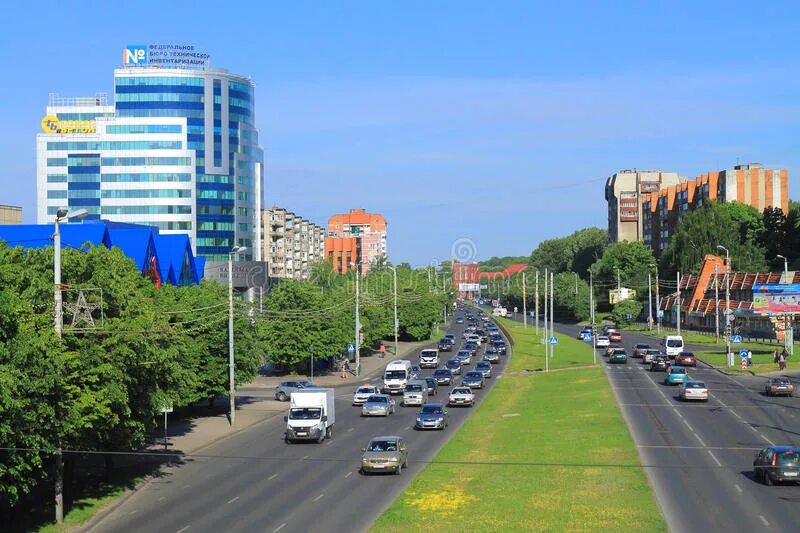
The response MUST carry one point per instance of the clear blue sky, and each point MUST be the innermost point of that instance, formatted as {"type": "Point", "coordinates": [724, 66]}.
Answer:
{"type": "Point", "coordinates": [494, 121]}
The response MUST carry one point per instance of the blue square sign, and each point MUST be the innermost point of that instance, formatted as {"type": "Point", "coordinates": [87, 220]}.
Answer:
{"type": "Point", "coordinates": [553, 340]}
{"type": "Point", "coordinates": [736, 339]}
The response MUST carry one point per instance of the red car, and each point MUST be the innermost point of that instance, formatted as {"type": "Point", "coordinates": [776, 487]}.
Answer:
{"type": "Point", "coordinates": [615, 336]}
{"type": "Point", "coordinates": [686, 359]}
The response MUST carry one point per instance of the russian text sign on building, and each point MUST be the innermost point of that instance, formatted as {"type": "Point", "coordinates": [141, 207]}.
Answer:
{"type": "Point", "coordinates": [164, 55]}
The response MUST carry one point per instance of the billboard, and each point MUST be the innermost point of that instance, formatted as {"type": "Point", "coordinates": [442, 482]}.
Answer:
{"type": "Point", "coordinates": [776, 298]}
{"type": "Point", "coordinates": [164, 55]}
{"type": "Point", "coordinates": [245, 275]}
{"type": "Point", "coordinates": [468, 287]}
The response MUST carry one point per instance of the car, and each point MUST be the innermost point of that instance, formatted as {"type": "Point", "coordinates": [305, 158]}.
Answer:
{"type": "Point", "coordinates": [615, 336]}
{"type": "Point", "coordinates": [648, 355]}
{"type": "Point", "coordinates": [675, 374]}
{"type": "Point", "coordinates": [639, 350]}
{"type": "Point", "coordinates": [584, 331]}
{"type": "Point", "coordinates": [492, 356]}
{"type": "Point", "coordinates": [473, 379]}
{"type": "Point", "coordinates": [659, 362]}
{"type": "Point", "coordinates": [452, 338]}
{"type": "Point", "coordinates": [415, 393]}
{"type": "Point", "coordinates": [472, 346]}
{"type": "Point", "coordinates": [613, 347]}
{"type": "Point", "coordinates": [484, 367]}
{"type": "Point", "coordinates": [618, 356]}
{"type": "Point", "coordinates": [693, 389]}
{"type": "Point", "coordinates": [454, 366]}
{"type": "Point", "coordinates": [433, 385]}
{"type": "Point", "coordinates": [444, 376]}
{"type": "Point", "coordinates": [284, 389]}
{"type": "Point", "coordinates": [777, 464]}
{"type": "Point", "coordinates": [686, 359]}
{"type": "Point", "coordinates": [500, 346]}
{"type": "Point", "coordinates": [363, 393]}
{"type": "Point", "coordinates": [378, 405]}
{"type": "Point", "coordinates": [384, 454]}
{"type": "Point", "coordinates": [778, 386]}
{"type": "Point", "coordinates": [432, 416]}
{"type": "Point", "coordinates": [461, 396]}
{"type": "Point", "coordinates": [415, 372]}
{"type": "Point", "coordinates": [482, 334]}
{"type": "Point", "coordinates": [464, 357]}
{"type": "Point", "coordinates": [459, 320]}
{"type": "Point", "coordinates": [602, 341]}
{"type": "Point", "coordinates": [445, 345]}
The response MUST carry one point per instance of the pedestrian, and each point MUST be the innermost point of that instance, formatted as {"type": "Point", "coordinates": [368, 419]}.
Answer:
{"type": "Point", "coordinates": [383, 350]}
{"type": "Point", "coordinates": [749, 357]}
{"type": "Point", "coordinates": [782, 361]}
{"type": "Point", "coordinates": [346, 370]}
{"type": "Point", "coordinates": [775, 356]}
{"type": "Point", "coordinates": [341, 368]}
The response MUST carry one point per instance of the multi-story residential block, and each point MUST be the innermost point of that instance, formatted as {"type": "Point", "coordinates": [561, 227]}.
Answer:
{"type": "Point", "coordinates": [625, 191]}
{"type": "Point", "coordinates": [292, 244]}
{"type": "Point", "coordinates": [354, 238]}
{"type": "Point", "coordinates": [749, 184]}
{"type": "Point", "coordinates": [177, 149]}
{"type": "Point", "coordinates": [10, 214]}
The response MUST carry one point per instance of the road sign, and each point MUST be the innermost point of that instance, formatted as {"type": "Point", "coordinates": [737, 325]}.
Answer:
{"type": "Point", "coordinates": [744, 364]}
{"type": "Point", "coordinates": [731, 318]}
{"type": "Point", "coordinates": [515, 309]}
{"type": "Point", "coordinates": [629, 316]}
{"type": "Point", "coordinates": [736, 339]}
{"type": "Point", "coordinates": [743, 354]}
{"type": "Point", "coordinates": [166, 409]}
{"type": "Point", "coordinates": [660, 313]}
{"type": "Point", "coordinates": [553, 340]}
{"type": "Point", "coordinates": [587, 337]}
{"type": "Point", "coordinates": [532, 314]}
{"type": "Point", "coordinates": [351, 347]}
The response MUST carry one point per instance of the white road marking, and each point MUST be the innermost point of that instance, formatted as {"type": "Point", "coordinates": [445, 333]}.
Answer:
{"type": "Point", "coordinates": [761, 516]}
{"type": "Point", "coordinates": [739, 489]}
{"type": "Point", "coordinates": [134, 511]}
{"type": "Point", "coordinates": [407, 427]}
{"type": "Point", "coordinates": [318, 498]}
{"type": "Point", "coordinates": [699, 439]}
{"type": "Point", "coordinates": [181, 530]}
{"type": "Point", "coordinates": [348, 475]}
{"type": "Point", "coordinates": [186, 486]}
{"type": "Point", "coordinates": [509, 415]}
{"type": "Point", "coordinates": [712, 456]}
{"type": "Point", "coordinates": [351, 429]}
{"type": "Point", "coordinates": [273, 476]}
{"type": "Point", "coordinates": [162, 498]}
{"type": "Point", "coordinates": [279, 528]}
{"type": "Point", "coordinates": [305, 457]}
{"type": "Point", "coordinates": [734, 413]}
{"type": "Point", "coordinates": [687, 425]}
{"type": "Point", "coordinates": [231, 500]}
{"type": "Point", "coordinates": [677, 412]}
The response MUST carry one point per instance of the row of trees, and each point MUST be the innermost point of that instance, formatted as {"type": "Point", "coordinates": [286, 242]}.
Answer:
{"type": "Point", "coordinates": [102, 388]}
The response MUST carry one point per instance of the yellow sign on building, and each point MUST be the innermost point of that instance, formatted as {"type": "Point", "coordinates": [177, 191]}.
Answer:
{"type": "Point", "coordinates": [51, 124]}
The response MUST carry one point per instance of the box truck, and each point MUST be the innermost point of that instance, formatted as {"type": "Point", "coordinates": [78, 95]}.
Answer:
{"type": "Point", "coordinates": [311, 415]}
{"type": "Point", "coordinates": [396, 376]}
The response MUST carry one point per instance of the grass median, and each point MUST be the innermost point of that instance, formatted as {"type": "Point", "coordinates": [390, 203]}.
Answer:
{"type": "Point", "coordinates": [763, 360]}
{"type": "Point", "coordinates": [543, 452]}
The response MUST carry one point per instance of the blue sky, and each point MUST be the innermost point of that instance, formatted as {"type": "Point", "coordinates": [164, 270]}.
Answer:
{"type": "Point", "coordinates": [495, 122]}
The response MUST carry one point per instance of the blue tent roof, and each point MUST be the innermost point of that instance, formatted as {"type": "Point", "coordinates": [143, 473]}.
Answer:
{"type": "Point", "coordinates": [174, 258]}
{"type": "Point", "coordinates": [41, 235]}
{"type": "Point", "coordinates": [137, 243]}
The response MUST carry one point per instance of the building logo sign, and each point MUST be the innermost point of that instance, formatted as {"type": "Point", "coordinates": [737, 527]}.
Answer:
{"type": "Point", "coordinates": [164, 55]}
{"type": "Point", "coordinates": [51, 124]}
{"type": "Point", "coordinates": [134, 55]}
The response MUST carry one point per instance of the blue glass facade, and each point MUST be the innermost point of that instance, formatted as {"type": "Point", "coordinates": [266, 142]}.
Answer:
{"type": "Point", "coordinates": [83, 183]}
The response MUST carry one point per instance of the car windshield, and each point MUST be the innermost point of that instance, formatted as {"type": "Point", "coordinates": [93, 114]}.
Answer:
{"type": "Point", "coordinates": [441, 372]}
{"type": "Point", "coordinates": [461, 391]}
{"type": "Point", "coordinates": [414, 388]}
{"type": "Point", "coordinates": [687, 354]}
{"type": "Point", "coordinates": [453, 363]}
{"type": "Point", "coordinates": [463, 354]}
{"type": "Point", "coordinates": [695, 385]}
{"type": "Point", "coordinates": [788, 457]}
{"type": "Point", "coordinates": [431, 410]}
{"type": "Point", "coordinates": [674, 343]}
{"type": "Point", "coordinates": [677, 370]}
{"type": "Point", "coordinates": [483, 364]}
{"type": "Point", "coordinates": [365, 390]}
{"type": "Point", "coordinates": [780, 381]}
{"type": "Point", "coordinates": [602, 338]}
{"type": "Point", "coordinates": [306, 413]}
{"type": "Point", "coordinates": [643, 346]}
{"type": "Point", "coordinates": [377, 399]}
{"type": "Point", "coordinates": [475, 375]}
{"type": "Point", "coordinates": [382, 446]}
{"type": "Point", "coordinates": [395, 374]}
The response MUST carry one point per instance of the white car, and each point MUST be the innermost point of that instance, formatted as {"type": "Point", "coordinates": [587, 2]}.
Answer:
{"type": "Point", "coordinates": [647, 356]}
{"type": "Point", "coordinates": [461, 396]}
{"type": "Point", "coordinates": [602, 341]}
{"type": "Point", "coordinates": [363, 392]}
{"type": "Point", "coordinates": [693, 389]}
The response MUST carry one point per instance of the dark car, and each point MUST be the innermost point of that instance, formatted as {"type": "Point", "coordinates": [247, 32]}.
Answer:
{"type": "Point", "coordinates": [433, 385]}
{"type": "Point", "coordinates": [618, 357]}
{"type": "Point", "coordinates": [444, 376]}
{"type": "Point", "coordinates": [500, 346]}
{"type": "Point", "coordinates": [778, 386]}
{"type": "Point", "coordinates": [452, 338]}
{"type": "Point", "coordinates": [454, 366]}
{"type": "Point", "coordinates": [638, 350]}
{"type": "Point", "coordinates": [471, 346]}
{"type": "Point", "coordinates": [483, 335]}
{"type": "Point", "coordinates": [777, 464]}
{"type": "Point", "coordinates": [686, 359]}
{"type": "Point", "coordinates": [445, 346]}
{"type": "Point", "coordinates": [473, 379]}
{"type": "Point", "coordinates": [659, 362]}
{"type": "Point", "coordinates": [485, 367]}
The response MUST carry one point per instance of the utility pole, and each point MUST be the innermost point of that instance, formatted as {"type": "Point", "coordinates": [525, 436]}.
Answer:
{"type": "Point", "coordinates": [678, 301]}
{"type": "Point", "coordinates": [728, 354]}
{"type": "Point", "coordinates": [524, 303]}
{"type": "Point", "coordinates": [788, 329]}
{"type": "Point", "coordinates": [358, 325]}
{"type": "Point", "coordinates": [649, 301]}
{"type": "Point", "coordinates": [576, 283]}
{"type": "Point", "coordinates": [232, 389]}
{"type": "Point", "coordinates": [536, 304]}
{"type": "Point", "coordinates": [552, 331]}
{"type": "Point", "coordinates": [396, 325]}
{"type": "Point", "coordinates": [544, 335]}
{"type": "Point", "coordinates": [591, 299]}
{"type": "Point", "coordinates": [716, 301]}
{"type": "Point", "coordinates": [658, 306]}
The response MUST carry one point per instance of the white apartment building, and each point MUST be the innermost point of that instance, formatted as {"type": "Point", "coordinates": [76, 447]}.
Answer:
{"type": "Point", "coordinates": [292, 244]}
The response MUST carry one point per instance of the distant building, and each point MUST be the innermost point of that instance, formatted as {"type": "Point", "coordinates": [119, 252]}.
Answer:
{"type": "Point", "coordinates": [10, 214]}
{"type": "Point", "coordinates": [292, 244]}
{"type": "Point", "coordinates": [466, 279]}
{"type": "Point", "coordinates": [747, 184]}
{"type": "Point", "coordinates": [355, 237]}
{"type": "Point", "coordinates": [625, 191]}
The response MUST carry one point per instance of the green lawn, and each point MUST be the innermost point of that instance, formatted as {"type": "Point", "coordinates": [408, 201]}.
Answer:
{"type": "Point", "coordinates": [763, 362]}
{"type": "Point", "coordinates": [516, 464]}
{"type": "Point", "coordinates": [85, 507]}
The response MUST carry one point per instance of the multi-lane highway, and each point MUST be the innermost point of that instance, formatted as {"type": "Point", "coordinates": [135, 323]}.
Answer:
{"type": "Point", "coordinates": [253, 481]}
{"type": "Point", "coordinates": [698, 456]}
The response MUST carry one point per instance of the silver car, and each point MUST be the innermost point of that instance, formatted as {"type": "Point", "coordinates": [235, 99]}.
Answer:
{"type": "Point", "coordinates": [432, 416]}
{"type": "Point", "coordinates": [284, 389]}
{"type": "Point", "coordinates": [363, 393]}
{"type": "Point", "coordinates": [378, 405]}
{"type": "Point", "coordinates": [384, 454]}
{"type": "Point", "coordinates": [461, 396]}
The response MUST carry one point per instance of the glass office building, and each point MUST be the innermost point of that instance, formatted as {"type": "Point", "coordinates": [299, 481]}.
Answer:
{"type": "Point", "coordinates": [177, 149]}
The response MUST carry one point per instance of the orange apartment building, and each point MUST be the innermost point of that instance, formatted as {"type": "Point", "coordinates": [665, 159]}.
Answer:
{"type": "Point", "coordinates": [749, 184]}
{"type": "Point", "coordinates": [353, 237]}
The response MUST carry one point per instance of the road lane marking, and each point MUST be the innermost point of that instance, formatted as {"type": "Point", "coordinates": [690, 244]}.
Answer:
{"type": "Point", "coordinates": [351, 429]}
{"type": "Point", "coordinates": [739, 489]}
{"type": "Point", "coordinates": [348, 475]}
{"type": "Point", "coordinates": [186, 486]}
{"type": "Point", "coordinates": [318, 498]}
{"type": "Point", "coordinates": [305, 457]}
{"type": "Point", "coordinates": [761, 516]}
{"type": "Point", "coordinates": [687, 425]}
{"type": "Point", "coordinates": [677, 447]}
{"type": "Point", "coordinates": [134, 511]}
{"type": "Point", "coordinates": [407, 427]}
{"type": "Point", "coordinates": [231, 500]}
{"type": "Point", "coordinates": [699, 439]}
{"type": "Point", "coordinates": [162, 498]}
{"type": "Point", "coordinates": [181, 530]}
{"type": "Point", "coordinates": [677, 412]}
{"type": "Point", "coordinates": [273, 476]}
{"type": "Point", "coordinates": [279, 528]}
{"type": "Point", "coordinates": [713, 456]}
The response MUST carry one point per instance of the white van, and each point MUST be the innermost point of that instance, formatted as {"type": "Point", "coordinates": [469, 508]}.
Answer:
{"type": "Point", "coordinates": [396, 376]}
{"type": "Point", "coordinates": [499, 311]}
{"type": "Point", "coordinates": [673, 345]}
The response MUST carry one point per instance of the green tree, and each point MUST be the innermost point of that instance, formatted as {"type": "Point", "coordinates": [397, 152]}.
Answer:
{"type": "Point", "coordinates": [626, 308]}
{"type": "Point", "coordinates": [632, 260]}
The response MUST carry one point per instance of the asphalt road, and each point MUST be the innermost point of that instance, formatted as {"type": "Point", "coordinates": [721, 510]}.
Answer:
{"type": "Point", "coordinates": [253, 481]}
{"type": "Point", "coordinates": [699, 455]}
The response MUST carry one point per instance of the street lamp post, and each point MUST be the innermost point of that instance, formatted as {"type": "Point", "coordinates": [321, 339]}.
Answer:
{"type": "Point", "coordinates": [591, 298]}
{"type": "Point", "coordinates": [650, 296]}
{"type": "Point", "coordinates": [728, 354]}
{"type": "Point", "coordinates": [61, 214]}
{"type": "Point", "coordinates": [619, 282]}
{"type": "Point", "coordinates": [358, 320]}
{"type": "Point", "coordinates": [232, 391]}
{"type": "Point", "coordinates": [788, 332]}
{"type": "Point", "coordinates": [394, 276]}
